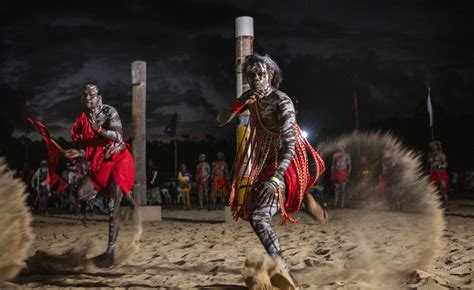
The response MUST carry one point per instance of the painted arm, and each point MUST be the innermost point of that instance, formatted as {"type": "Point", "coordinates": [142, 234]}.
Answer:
{"type": "Point", "coordinates": [207, 170]}
{"type": "Point", "coordinates": [226, 171]}
{"type": "Point", "coordinates": [349, 165]}
{"type": "Point", "coordinates": [153, 178]}
{"type": "Point", "coordinates": [238, 106]}
{"type": "Point", "coordinates": [35, 179]}
{"type": "Point", "coordinates": [443, 161]}
{"type": "Point", "coordinates": [287, 121]}
{"type": "Point", "coordinates": [114, 131]}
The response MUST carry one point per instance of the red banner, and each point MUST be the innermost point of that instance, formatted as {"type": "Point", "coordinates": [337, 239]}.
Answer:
{"type": "Point", "coordinates": [54, 152]}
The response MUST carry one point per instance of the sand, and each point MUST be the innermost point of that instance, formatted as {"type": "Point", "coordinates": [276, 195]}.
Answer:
{"type": "Point", "coordinates": [197, 249]}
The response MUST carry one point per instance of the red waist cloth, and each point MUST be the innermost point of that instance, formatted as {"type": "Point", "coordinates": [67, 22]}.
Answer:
{"type": "Point", "coordinates": [119, 167]}
{"type": "Point", "coordinates": [293, 200]}
{"type": "Point", "coordinates": [437, 176]}
{"type": "Point", "coordinates": [339, 176]}
{"type": "Point", "coordinates": [220, 183]}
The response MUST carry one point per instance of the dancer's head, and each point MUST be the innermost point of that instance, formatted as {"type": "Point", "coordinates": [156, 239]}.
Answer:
{"type": "Point", "coordinates": [262, 73]}
{"type": "Point", "coordinates": [91, 96]}
{"type": "Point", "coordinates": [435, 145]}
{"type": "Point", "coordinates": [220, 156]}
{"type": "Point", "coordinates": [341, 146]}
{"type": "Point", "coordinates": [202, 157]}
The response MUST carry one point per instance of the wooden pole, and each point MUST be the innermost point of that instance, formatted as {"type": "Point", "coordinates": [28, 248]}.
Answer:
{"type": "Point", "coordinates": [244, 37]}
{"type": "Point", "coordinates": [139, 129]}
{"type": "Point", "coordinates": [430, 112]}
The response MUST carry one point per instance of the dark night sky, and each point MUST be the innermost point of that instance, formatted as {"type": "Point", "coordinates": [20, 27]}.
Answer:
{"type": "Point", "coordinates": [386, 50]}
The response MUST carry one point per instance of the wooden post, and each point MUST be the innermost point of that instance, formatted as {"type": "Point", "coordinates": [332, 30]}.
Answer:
{"type": "Point", "coordinates": [139, 129]}
{"type": "Point", "coordinates": [244, 37]}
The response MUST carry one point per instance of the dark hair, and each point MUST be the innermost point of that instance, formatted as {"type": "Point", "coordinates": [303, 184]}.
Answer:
{"type": "Point", "coordinates": [92, 84]}
{"type": "Point", "coordinates": [270, 63]}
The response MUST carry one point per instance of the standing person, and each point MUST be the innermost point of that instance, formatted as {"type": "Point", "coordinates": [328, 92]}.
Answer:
{"type": "Point", "coordinates": [220, 180]}
{"type": "Point", "coordinates": [279, 162]}
{"type": "Point", "coordinates": [203, 172]}
{"type": "Point", "coordinates": [98, 130]}
{"type": "Point", "coordinates": [341, 167]}
{"type": "Point", "coordinates": [153, 190]}
{"type": "Point", "coordinates": [40, 184]}
{"type": "Point", "coordinates": [438, 174]}
{"type": "Point", "coordinates": [184, 185]}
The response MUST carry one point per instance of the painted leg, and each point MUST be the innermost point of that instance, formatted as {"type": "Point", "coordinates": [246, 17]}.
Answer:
{"type": "Point", "coordinates": [336, 194]}
{"type": "Point", "coordinates": [200, 195]}
{"type": "Point", "coordinates": [84, 192]}
{"type": "Point", "coordinates": [443, 188]}
{"type": "Point", "coordinates": [343, 193]}
{"type": "Point", "coordinates": [106, 260]}
{"type": "Point", "coordinates": [260, 222]}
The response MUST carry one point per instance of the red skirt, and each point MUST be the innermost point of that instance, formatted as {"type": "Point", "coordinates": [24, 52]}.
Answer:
{"type": "Point", "coordinates": [120, 169]}
{"type": "Point", "coordinates": [437, 176]}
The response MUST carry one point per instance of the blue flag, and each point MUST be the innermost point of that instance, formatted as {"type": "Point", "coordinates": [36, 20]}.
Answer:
{"type": "Point", "coordinates": [170, 129]}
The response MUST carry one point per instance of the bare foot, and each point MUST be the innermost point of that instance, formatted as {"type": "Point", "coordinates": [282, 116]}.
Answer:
{"type": "Point", "coordinates": [106, 260]}
{"type": "Point", "coordinates": [316, 211]}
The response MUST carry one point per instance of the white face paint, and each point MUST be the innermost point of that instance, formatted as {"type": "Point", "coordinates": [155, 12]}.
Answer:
{"type": "Point", "coordinates": [260, 78]}
{"type": "Point", "coordinates": [90, 97]}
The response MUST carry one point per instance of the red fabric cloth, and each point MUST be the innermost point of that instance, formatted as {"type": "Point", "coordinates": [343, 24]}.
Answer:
{"type": "Point", "coordinates": [339, 176]}
{"type": "Point", "coordinates": [292, 202]}
{"type": "Point", "coordinates": [220, 183]}
{"type": "Point", "coordinates": [54, 152]}
{"type": "Point", "coordinates": [118, 168]}
{"type": "Point", "coordinates": [237, 106]}
{"type": "Point", "coordinates": [436, 176]}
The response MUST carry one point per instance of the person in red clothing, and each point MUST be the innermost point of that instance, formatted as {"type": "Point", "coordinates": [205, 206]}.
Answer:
{"type": "Point", "coordinates": [98, 131]}
{"type": "Point", "coordinates": [340, 171]}
{"type": "Point", "coordinates": [438, 165]}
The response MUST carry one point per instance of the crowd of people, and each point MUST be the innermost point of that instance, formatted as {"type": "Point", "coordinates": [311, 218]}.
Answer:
{"type": "Point", "coordinates": [448, 183]}
{"type": "Point", "coordinates": [207, 187]}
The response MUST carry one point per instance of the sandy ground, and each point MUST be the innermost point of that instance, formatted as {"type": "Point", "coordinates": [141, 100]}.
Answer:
{"type": "Point", "coordinates": [197, 249]}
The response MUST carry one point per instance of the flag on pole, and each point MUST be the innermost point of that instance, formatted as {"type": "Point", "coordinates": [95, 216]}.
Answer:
{"type": "Point", "coordinates": [430, 107]}
{"type": "Point", "coordinates": [170, 129]}
{"type": "Point", "coordinates": [54, 152]}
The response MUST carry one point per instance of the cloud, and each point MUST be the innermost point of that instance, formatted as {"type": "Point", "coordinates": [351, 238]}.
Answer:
{"type": "Point", "coordinates": [386, 53]}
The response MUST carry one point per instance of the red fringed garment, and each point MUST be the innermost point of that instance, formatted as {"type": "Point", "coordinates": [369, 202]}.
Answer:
{"type": "Point", "coordinates": [254, 162]}
{"type": "Point", "coordinates": [119, 167]}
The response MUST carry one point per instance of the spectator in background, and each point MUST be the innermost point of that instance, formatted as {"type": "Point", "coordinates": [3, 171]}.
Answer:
{"type": "Point", "coordinates": [220, 180]}
{"type": "Point", "coordinates": [340, 171]}
{"type": "Point", "coordinates": [203, 172]}
{"type": "Point", "coordinates": [153, 190]}
{"type": "Point", "coordinates": [184, 185]}
{"type": "Point", "coordinates": [40, 184]}
{"type": "Point", "coordinates": [438, 166]}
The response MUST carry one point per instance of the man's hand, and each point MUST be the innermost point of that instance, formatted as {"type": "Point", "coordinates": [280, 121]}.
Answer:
{"type": "Point", "coordinates": [266, 191]}
{"type": "Point", "coordinates": [95, 127]}
{"type": "Point", "coordinates": [72, 153]}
